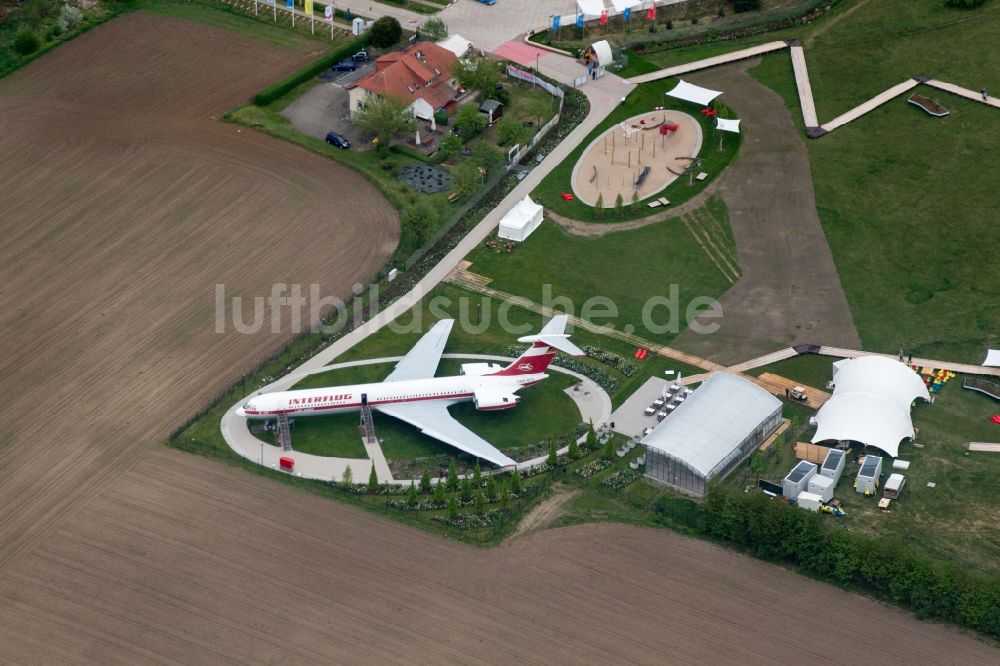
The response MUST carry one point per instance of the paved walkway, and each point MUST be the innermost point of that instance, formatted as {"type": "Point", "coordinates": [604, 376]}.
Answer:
{"type": "Point", "coordinates": [592, 401]}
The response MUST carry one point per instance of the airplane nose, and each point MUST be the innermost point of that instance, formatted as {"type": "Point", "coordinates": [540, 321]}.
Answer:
{"type": "Point", "coordinates": [240, 411]}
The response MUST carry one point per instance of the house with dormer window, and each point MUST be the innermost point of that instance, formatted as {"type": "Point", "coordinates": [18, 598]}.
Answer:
{"type": "Point", "coordinates": [420, 74]}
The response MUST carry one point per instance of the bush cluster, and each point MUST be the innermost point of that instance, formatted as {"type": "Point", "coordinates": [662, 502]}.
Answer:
{"type": "Point", "coordinates": [898, 571]}
{"type": "Point", "coordinates": [612, 359]}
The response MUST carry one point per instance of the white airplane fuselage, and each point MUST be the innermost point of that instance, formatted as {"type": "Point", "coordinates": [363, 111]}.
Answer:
{"type": "Point", "coordinates": [490, 392]}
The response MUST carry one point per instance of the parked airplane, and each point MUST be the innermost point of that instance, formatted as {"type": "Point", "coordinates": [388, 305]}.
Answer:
{"type": "Point", "coordinates": [412, 393]}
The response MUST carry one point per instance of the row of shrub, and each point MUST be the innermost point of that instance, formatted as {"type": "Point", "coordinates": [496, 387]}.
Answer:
{"type": "Point", "coordinates": [612, 359]}
{"type": "Point", "coordinates": [280, 88]}
{"type": "Point", "coordinates": [899, 572]}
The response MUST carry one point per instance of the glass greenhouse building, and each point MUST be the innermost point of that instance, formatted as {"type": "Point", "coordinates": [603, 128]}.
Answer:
{"type": "Point", "coordinates": [715, 429]}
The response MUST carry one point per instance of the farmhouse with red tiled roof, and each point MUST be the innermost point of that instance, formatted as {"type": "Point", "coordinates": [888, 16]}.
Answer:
{"type": "Point", "coordinates": [420, 74]}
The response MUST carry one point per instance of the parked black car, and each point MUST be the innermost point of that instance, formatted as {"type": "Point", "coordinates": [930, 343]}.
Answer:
{"type": "Point", "coordinates": [345, 66]}
{"type": "Point", "coordinates": [338, 140]}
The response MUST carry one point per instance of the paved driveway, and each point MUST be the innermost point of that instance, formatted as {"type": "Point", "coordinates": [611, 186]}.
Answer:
{"type": "Point", "coordinates": [489, 26]}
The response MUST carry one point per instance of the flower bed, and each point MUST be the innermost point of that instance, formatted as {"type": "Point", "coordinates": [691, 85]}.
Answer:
{"type": "Point", "coordinates": [612, 359]}
{"type": "Point", "coordinates": [471, 521]}
{"type": "Point", "coordinates": [593, 467]}
{"type": "Point", "coordinates": [619, 480]}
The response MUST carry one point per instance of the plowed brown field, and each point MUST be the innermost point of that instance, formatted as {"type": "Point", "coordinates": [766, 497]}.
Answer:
{"type": "Point", "coordinates": [114, 550]}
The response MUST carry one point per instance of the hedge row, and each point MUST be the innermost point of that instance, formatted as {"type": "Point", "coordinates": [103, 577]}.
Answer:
{"type": "Point", "coordinates": [897, 571]}
{"type": "Point", "coordinates": [276, 90]}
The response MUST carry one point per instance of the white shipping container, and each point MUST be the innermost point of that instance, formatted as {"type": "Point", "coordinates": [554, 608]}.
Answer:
{"type": "Point", "coordinates": [822, 486]}
{"type": "Point", "coordinates": [810, 501]}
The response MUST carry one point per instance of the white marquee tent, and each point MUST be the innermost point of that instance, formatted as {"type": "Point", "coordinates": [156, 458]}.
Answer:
{"type": "Point", "coordinates": [457, 44]}
{"type": "Point", "coordinates": [602, 50]}
{"type": "Point", "coordinates": [992, 358]}
{"type": "Point", "coordinates": [870, 403]}
{"type": "Point", "coordinates": [727, 125]}
{"type": "Point", "coordinates": [521, 220]}
{"type": "Point", "coordinates": [590, 7]}
{"type": "Point", "coordinates": [622, 5]}
{"type": "Point", "coordinates": [692, 93]}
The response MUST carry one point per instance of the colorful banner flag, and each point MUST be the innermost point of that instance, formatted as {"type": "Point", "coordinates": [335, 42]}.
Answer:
{"type": "Point", "coordinates": [555, 22]}
{"type": "Point", "coordinates": [579, 20]}
{"type": "Point", "coordinates": [347, 15]}
{"type": "Point", "coordinates": [627, 14]}
{"type": "Point", "coordinates": [328, 13]}
{"type": "Point", "coordinates": [290, 4]}
{"type": "Point", "coordinates": [308, 5]}
{"type": "Point", "coordinates": [604, 17]}
{"type": "Point", "coordinates": [651, 14]}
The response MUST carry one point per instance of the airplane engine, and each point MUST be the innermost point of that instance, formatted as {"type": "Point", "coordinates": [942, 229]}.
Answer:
{"type": "Point", "coordinates": [494, 400]}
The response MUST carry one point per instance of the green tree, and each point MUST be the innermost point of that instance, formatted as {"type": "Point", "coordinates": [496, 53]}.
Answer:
{"type": "Point", "coordinates": [452, 507]}
{"type": "Point", "coordinates": [480, 505]}
{"type": "Point", "coordinates": [599, 209]}
{"type": "Point", "coordinates": [438, 494]}
{"type": "Point", "coordinates": [477, 475]}
{"type": "Point", "coordinates": [348, 479]}
{"type": "Point", "coordinates": [373, 481]}
{"type": "Point", "coordinates": [70, 17]}
{"type": "Point", "coordinates": [591, 441]}
{"type": "Point", "coordinates": [450, 145]}
{"type": "Point", "coordinates": [553, 458]}
{"type": "Point", "coordinates": [515, 482]}
{"type": "Point", "coordinates": [635, 201]}
{"type": "Point", "coordinates": [470, 122]}
{"type": "Point", "coordinates": [467, 178]}
{"type": "Point", "coordinates": [480, 74]}
{"type": "Point", "coordinates": [504, 498]}
{"type": "Point", "coordinates": [452, 475]}
{"type": "Point", "coordinates": [486, 156]}
{"type": "Point", "coordinates": [511, 132]}
{"type": "Point", "coordinates": [434, 29]}
{"type": "Point", "coordinates": [411, 495]}
{"type": "Point", "coordinates": [757, 466]}
{"type": "Point", "coordinates": [386, 117]}
{"type": "Point", "coordinates": [619, 205]}
{"type": "Point", "coordinates": [491, 487]}
{"type": "Point", "coordinates": [419, 219]}
{"type": "Point", "coordinates": [574, 448]}
{"type": "Point", "coordinates": [425, 481]}
{"type": "Point", "coordinates": [466, 491]}
{"type": "Point", "coordinates": [609, 449]}
{"type": "Point", "coordinates": [25, 42]}
{"type": "Point", "coordinates": [385, 32]}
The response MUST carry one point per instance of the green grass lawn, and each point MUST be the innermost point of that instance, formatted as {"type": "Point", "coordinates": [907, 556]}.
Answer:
{"type": "Point", "coordinates": [641, 100]}
{"type": "Point", "coordinates": [809, 369]}
{"type": "Point", "coordinates": [625, 268]}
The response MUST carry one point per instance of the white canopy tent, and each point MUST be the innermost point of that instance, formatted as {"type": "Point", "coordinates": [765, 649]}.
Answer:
{"type": "Point", "coordinates": [870, 403]}
{"type": "Point", "coordinates": [521, 220]}
{"type": "Point", "coordinates": [422, 109]}
{"type": "Point", "coordinates": [727, 125]}
{"type": "Point", "coordinates": [602, 50]}
{"type": "Point", "coordinates": [692, 93]}
{"type": "Point", "coordinates": [590, 7]}
{"type": "Point", "coordinates": [622, 5]}
{"type": "Point", "coordinates": [457, 44]}
{"type": "Point", "coordinates": [992, 358]}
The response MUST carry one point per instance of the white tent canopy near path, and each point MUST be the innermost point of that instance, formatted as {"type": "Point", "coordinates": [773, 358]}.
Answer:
{"type": "Point", "coordinates": [622, 5]}
{"type": "Point", "coordinates": [870, 403]}
{"type": "Point", "coordinates": [590, 7]}
{"type": "Point", "coordinates": [457, 44]}
{"type": "Point", "coordinates": [603, 52]}
{"type": "Point", "coordinates": [992, 359]}
{"type": "Point", "coordinates": [520, 220]}
{"type": "Point", "coordinates": [727, 125]}
{"type": "Point", "coordinates": [692, 93]}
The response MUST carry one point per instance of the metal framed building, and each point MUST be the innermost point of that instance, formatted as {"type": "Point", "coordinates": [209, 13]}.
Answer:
{"type": "Point", "coordinates": [715, 429]}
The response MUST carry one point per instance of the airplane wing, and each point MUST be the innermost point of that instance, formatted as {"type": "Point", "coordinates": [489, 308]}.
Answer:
{"type": "Point", "coordinates": [421, 362]}
{"type": "Point", "coordinates": [434, 421]}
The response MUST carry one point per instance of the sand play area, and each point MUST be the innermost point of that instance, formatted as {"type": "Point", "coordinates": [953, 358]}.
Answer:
{"type": "Point", "coordinates": [616, 162]}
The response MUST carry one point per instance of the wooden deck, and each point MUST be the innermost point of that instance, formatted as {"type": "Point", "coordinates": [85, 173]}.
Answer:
{"type": "Point", "coordinates": [776, 385]}
{"type": "Point", "coordinates": [964, 92]}
{"type": "Point", "coordinates": [805, 88]}
{"type": "Point", "coordinates": [870, 105]}
{"type": "Point", "coordinates": [714, 61]}
{"type": "Point", "coordinates": [983, 446]}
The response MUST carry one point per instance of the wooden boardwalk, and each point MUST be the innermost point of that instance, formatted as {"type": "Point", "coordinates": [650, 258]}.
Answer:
{"type": "Point", "coordinates": [804, 87]}
{"type": "Point", "coordinates": [870, 105]}
{"type": "Point", "coordinates": [776, 385]}
{"type": "Point", "coordinates": [767, 359]}
{"type": "Point", "coordinates": [964, 92]}
{"type": "Point", "coordinates": [965, 368]}
{"type": "Point", "coordinates": [714, 61]}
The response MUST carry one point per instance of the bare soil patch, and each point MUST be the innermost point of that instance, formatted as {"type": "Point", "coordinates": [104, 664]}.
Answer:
{"type": "Point", "coordinates": [124, 202]}
{"type": "Point", "coordinates": [547, 512]}
{"type": "Point", "coordinates": [185, 561]}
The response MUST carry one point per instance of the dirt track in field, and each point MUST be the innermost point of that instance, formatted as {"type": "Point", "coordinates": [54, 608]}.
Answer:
{"type": "Point", "coordinates": [114, 549]}
{"type": "Point", "coordinates": [124, 202]}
